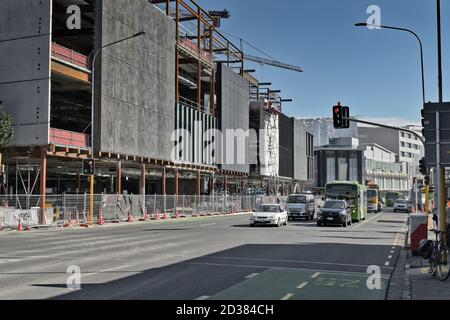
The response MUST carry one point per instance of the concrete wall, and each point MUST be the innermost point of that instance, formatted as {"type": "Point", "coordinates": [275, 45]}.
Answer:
{"type": "Point", "coordinates": [300, 160]}
{"type": "Point", "coordinates": [135, 93]}
{"type": "Point", "coordinates": [386, 138]}
{"type": "Point", "coordinates": [233, 105]}
{"type": "Point", "coordinates": [286, 144]}
{"type": "Point", "coordinates": [25, 26]}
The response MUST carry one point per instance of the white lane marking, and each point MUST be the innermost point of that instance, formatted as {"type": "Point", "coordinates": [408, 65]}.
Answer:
{"type": "Point", "coordinates": [315, 275]}
{"type": "Point", "coordinates": [390, 257]}
{"type": "Point", "coordinates": [203, 298]}
{"type": "Point", "coordinates": [392, 251]}
{"type": "Point", "coordinates": [251, 275]}
{"type": "Point", "coordinates": [334, 272]}
{"type": "Point", "coordinates": [205, 225]}
{"type": "Point", "coordinates": [387, 263]}
{"type": "Point", "coordinates": [302, 285]}
{"type": "Point", "coordinates": [104, 271]}
{"type": "Point", "coordinates": [359, 225]}
{"type": "Point", "coordinates": [8, 260]}
{"type": "Point", "coordinates": [287, 297]}
{"type": "Point", "coordinates": [294, 261]}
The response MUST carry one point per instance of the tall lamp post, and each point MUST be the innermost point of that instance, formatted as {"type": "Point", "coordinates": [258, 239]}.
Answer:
{"type": "Point", "coordinates": [94, 59]}
{"type": "Point", "coordinates": [416, 36]}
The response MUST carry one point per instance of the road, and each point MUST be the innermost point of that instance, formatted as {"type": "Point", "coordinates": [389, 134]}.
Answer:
{"type": "Point", "coordinates": [203, 258]}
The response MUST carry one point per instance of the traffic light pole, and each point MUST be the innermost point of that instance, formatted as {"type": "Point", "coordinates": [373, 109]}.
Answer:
{"type": "Point", "coordinates": [91, 201]}
{"type": "Point", "coordinates": [441, 197]}
{"type": "Point", "coordinates": [387, 127]}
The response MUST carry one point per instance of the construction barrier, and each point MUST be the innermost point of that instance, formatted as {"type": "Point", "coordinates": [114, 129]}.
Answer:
{"type": "Point", "coordinates": [73, 210]}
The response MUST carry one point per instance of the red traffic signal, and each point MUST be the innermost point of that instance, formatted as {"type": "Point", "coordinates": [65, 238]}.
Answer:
{"type": "Point", "coordinates": [337, 116]}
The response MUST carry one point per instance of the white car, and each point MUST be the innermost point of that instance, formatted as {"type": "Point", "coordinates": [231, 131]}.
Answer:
{"type": "Point", "coordinates": [269, 214]}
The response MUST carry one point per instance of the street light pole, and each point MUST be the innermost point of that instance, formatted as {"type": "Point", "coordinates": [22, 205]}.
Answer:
{"type": "Point", "coordinates": [94, 59]}
{"type": "Point", "coordinates": [420, 44]}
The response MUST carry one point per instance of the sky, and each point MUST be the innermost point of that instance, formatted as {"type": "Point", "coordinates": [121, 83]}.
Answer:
{"type": "Point", "coordinates": [375, 72]}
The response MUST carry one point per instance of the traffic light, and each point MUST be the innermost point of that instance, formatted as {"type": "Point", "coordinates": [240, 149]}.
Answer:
{"type": "Point", "coordinates": [341, 115]}
{"type": "Point", "coordinates": [338, 116]}
{"type": "Point", "coordinates": [423, 167]}
{"type": "Point", "coordinates": [346, 116]}
{"type": "Point", "coordinates": [89, 167]}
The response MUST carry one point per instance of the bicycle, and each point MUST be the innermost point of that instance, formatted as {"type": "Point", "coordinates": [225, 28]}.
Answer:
{"type": "Point", "coordinates": [437, 254]}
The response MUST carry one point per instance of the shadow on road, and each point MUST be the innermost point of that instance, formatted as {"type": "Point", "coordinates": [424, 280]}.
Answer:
{"type": "Point", "coordinates": [212, 274]}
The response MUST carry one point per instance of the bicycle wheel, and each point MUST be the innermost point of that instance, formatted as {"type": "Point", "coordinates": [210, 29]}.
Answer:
{"type": "Point", "coordinates": [443, 265]}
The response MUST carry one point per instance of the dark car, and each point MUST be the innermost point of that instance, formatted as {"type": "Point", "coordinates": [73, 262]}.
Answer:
{"type": "Point", "coordinates": [335, 212]}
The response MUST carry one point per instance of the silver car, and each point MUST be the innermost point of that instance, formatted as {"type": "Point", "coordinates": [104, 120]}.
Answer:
{"type": "Point", "coordinates": [301, 206]}
{"type": "Point", "coordinates": [403, 205]}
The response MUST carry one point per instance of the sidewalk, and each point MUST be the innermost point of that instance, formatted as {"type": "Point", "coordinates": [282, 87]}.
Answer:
{"type": "Point", "coordinates": [418, 284]}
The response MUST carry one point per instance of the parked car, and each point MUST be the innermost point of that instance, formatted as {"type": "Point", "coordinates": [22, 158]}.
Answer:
{"type": "Point", "coordinates": [301, 206]}
{"type": "Point", "coordinates": [335, 212]}
{"type": "Point", "coordinates": [403, 205]}
{"type": "Point", "coordinates": [269, 214]}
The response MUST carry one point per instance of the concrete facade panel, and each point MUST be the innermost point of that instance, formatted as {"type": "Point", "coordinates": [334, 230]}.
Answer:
{"type": "Point", "coordinates": [137, 83]}
{"type": "Point", "coordinates": [25, 65]}
{"type": "Point", "coordinates": [300, 159]}
{"type": "Point", "coordinates": [24, 18]}
{"type": "Point", "coordinates": [233, 105]}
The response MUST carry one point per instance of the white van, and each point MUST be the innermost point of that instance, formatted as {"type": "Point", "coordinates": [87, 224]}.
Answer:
{"type": "Point", "coordinates": [301, 206]}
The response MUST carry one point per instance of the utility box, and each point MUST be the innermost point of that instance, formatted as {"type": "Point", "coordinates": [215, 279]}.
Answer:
{"type": "Point", "coordinates": [418, 230]}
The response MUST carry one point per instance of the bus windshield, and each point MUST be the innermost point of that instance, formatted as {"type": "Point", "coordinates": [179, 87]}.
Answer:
{"type": "Point", "coordinates": [371, 193]}
{"type": "Point", "coordinates": [342, 192]}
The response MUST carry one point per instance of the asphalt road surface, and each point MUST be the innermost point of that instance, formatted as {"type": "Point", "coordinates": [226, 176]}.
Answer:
{"type": "Point", "coordinates": [203, 258]}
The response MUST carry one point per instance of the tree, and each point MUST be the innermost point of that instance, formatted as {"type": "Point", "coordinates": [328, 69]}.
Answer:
{"type": "Point", "coordinates": [6, 130]}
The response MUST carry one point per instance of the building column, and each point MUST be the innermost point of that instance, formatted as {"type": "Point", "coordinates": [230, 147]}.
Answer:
{"type": "Point", "coordinates": [43, 183]}
{"type": "Point", "coordinates": [164, 189]}
{"type": "Point", "coordinates": [142, 179]}
{"type": "Point", "coordinates": [199, 180]}
{"type": "Point", "coordinates": [78, 183]}
{"type": "Point", "coordinates": [119, 177]}
{"type": "Point", "coordinates": [142, 187]}
{"type": "Point", "coordinates": [111, 184]}
{"type": "Point", "coordinates": [176, 187]}
{"type": "Point", "coordinates": [225, 184]}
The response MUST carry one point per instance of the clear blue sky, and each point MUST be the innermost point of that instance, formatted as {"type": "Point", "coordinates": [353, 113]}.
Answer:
{"type": "Point", "coordinates": [376, 73]}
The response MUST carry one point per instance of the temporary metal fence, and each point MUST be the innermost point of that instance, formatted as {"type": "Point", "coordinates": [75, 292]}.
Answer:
{"type": "Point", "coordinates": [74, 209]}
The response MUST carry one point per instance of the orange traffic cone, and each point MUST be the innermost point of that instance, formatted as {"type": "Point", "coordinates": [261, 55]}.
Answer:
{"type": "Point", "coordinates": [157, 215]}
{"type": "Point", "coordinates": [176, 214]}
{"type": "Point", "coordinates": [129, 218]}
{"type": "Point", "coordinates": [20, 226]}
{"type": "Point", "coordinates": [146, 216]}
{"type": "Point", "coordinates": [165, 216]}
{"type": "Point", "coordinates": [100, 218]}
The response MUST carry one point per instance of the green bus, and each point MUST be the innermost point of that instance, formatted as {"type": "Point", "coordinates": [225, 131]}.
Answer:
{"type": "Point", "coordinates": [391, 196]}
{"type": "Point", "coordinates": [353, 192]}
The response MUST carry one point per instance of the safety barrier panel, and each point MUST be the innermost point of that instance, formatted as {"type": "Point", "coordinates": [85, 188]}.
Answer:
{"type": "Point", "coordinates": [68, 210]}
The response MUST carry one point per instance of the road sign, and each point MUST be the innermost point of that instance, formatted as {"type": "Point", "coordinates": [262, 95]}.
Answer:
{"type": "Point", "coordinates": [429, 131]}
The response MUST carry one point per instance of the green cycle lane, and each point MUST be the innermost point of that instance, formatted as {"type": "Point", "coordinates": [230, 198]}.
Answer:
{"type": "Point", "coordinates": [286, 284]}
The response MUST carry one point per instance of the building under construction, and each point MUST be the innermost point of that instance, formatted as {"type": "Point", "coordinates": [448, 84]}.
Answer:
{"type": "Point", "coordinates": [77, 92]}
